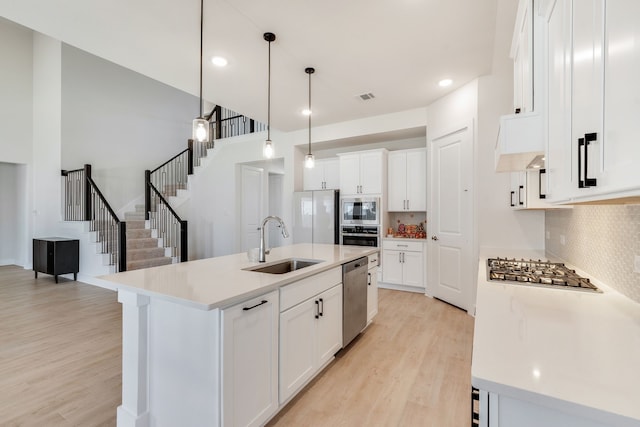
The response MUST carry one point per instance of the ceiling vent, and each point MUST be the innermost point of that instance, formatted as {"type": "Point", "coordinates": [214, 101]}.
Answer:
{"type": "Point", "coordinates": [366, 96]}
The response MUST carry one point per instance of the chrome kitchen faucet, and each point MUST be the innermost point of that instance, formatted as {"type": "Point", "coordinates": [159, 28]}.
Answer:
{"type": "Point", "coordinates": [263, 252]}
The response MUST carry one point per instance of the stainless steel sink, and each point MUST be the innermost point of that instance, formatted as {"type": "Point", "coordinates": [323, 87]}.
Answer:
{"type": "Point", "coordinates": [284, 266]}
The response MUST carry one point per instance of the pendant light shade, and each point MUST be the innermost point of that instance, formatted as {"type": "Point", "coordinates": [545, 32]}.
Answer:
{"type": "Point", "coordinates": [267, 149]}
{"type": "Point", "coordinates": [309, 160]}
{"type": "Point", "coordinates": [200, 128]}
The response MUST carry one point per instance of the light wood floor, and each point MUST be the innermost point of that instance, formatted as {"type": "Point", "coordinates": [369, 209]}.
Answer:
{"type": "Point", "coordinates": [60, 350]}
{"type": "Point", "coordinates": [411, 367]}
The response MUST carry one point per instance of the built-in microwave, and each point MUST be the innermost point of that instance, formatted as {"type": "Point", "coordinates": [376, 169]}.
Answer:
{"type": "Point", "coordinates": [360, 211]}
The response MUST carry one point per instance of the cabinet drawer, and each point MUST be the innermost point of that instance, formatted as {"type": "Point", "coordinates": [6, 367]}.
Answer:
{"type": "Point", "coordinates": [304, 289]}
{"type": "Point", "coordinates": [374, 260]}
{"type": "Point", "coordinates": [402, 245]}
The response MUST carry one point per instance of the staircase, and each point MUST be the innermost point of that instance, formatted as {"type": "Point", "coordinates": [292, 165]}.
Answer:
{"type": "Point", "coordinates": [143, 250]}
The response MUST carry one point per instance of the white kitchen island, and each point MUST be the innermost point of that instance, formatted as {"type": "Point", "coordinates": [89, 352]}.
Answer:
{"type": "Point", "coordinates": [202, 340]}
{"type": "Point", "coordinates": [555, 357]}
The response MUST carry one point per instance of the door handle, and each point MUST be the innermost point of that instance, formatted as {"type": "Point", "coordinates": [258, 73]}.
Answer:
{"type": "Point", "coordinates": [434, 238]}
{"type": "Point", "coordinates": [520, 189]}
{"type": "Point", "coordinates": [540, 195]}
{"type": "Point", "coordinates": [588, 139]}
{"type": "Point", "coordinates": [264, 301]}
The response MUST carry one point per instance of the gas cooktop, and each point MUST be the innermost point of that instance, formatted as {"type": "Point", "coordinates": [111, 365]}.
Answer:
{"type": "Point", "coordinates": [537, 273]}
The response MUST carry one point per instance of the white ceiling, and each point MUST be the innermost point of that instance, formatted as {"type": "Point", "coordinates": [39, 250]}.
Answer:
{"type": "Point", "coordinates": [396, 49]}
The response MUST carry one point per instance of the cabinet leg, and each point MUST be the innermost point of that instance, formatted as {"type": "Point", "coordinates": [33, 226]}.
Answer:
{"type": "Point", "coordinates": [75, 277]}
{"type": "Point", "coordinates": [56, 277]}
{"type": "Point", "coordinates": [36, 274]}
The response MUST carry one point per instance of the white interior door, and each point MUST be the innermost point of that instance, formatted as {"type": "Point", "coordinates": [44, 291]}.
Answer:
{"type": "Point", "coordinates": [251, 206]}
{"type": "Point", "coordinates": [452, 218]}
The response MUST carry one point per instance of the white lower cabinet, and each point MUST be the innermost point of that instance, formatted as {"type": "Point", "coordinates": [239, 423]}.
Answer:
{"type": "Point", "coordinates": [250, 361]}
{"type": "Point", "coordinates": [403, 263]}
{"type": "Point", "coordinates": [372, 287]}
{"type": "Point", "coordinates": [310, 329]}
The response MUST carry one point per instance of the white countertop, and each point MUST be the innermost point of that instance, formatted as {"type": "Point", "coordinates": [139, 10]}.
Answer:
{"type": "Point", "coordinates": [578, 352]}
{"type": "Point", "coordinates": [216, 282]}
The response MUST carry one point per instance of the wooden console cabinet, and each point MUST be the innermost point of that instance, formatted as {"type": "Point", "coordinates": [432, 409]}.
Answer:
{"type": "Point", "coordinates": [55, 256]}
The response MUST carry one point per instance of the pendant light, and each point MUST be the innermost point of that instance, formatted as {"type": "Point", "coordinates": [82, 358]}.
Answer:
{"type": "Point", "coordinates": [200, 129]}
{"type": "Point", "coordinates": [267, 149]}
{"type": "Point", "coordinates": [309, 160]}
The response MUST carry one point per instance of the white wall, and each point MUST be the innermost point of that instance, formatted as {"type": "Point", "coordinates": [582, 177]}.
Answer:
{"type": "Point", "coordinates": [497, 225]}
{"type": "Point", "coordinates": [47, 93]}
{"type": "Point", "coordinates": [120, 122]}
{"type": "Point", "coordinates": [16, 89]}
{"type": "Point", "coordinates": [16, 115]}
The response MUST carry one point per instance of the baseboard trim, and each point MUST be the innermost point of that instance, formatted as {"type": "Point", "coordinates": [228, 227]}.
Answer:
{"type": "Point", "coordinates": [405, 288]}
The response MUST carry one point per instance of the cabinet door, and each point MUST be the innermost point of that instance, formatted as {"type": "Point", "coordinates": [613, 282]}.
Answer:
{"type": "Point", "coordinates": [417, 180]}
{"type": "Point", "coordinates": [558, 164]}
{"type": "Point", "coordinates": [622, 94]}
{"type": "Point", "coordinates": [349, 174]}
{"type": "Point", "coordinates": [587, 93]}
{"type": "Point", "coordinates": [250, 361]}
{"type": "Point", "coordinates": [371, 173]}
{"type": "Point", "coordinates": [397, 182]}
{"type": "Point", "coordinates": [372, 294]}
{"type": "Point", "coordinates": [297, 348]}
{"type": "Point", "coordinates": [522, 64]}
{"type": "Point", "coordinates": [331, 174]}
{"type": "Point", "coordinates": [392, 267]}
{"type": "Point", "coordinates": [412, 267]}
{"type": "Point", "coordinates": [329, 325]}
{"type": "Point", "coordinates": [314, 177]}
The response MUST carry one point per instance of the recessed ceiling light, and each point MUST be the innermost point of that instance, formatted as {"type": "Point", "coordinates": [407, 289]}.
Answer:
{"type": "Point", "coordinates": [306, 112]}
{"type": "Point", "coordinates": [445, 82]}
{"type": "Point", "coordinates": [219, 61]}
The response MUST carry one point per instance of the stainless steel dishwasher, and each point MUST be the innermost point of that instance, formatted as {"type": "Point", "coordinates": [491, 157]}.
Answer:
{"type": "Point", "coordinates": [354, 299]}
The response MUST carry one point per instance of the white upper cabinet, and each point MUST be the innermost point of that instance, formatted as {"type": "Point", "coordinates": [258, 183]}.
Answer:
{"type": "Point", "coordinates": [558, 59]}
{"type": "Point", "coordinates": [592, 150]}
{"type": "Point", "coordinates": [622, 95]}
{"type": "Point", "coordinates": [521, 53]}
{"type": "Point", "coordinates": [363, 172]}
{"type": "Point", "coordinates": [407, 180]}
{"type": "Point", "coordinates": [324, 176]}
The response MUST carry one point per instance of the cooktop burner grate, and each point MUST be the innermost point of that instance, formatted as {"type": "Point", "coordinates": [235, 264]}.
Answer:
{"type": "Point", "coordinates": [537, 273]}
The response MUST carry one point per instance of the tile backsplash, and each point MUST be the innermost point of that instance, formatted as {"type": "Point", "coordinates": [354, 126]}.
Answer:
{"type": "Point", "coordinates": [601, 240]}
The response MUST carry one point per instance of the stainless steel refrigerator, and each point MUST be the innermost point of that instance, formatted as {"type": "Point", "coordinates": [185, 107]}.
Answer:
{"type": "Point", "coordinates": [316, 217]}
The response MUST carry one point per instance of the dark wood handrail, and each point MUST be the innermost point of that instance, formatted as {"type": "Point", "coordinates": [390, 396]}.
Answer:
{"type": "Point", "coordinates": [106, 204]}
{"type": "Point", "coordinates": [170, 160]}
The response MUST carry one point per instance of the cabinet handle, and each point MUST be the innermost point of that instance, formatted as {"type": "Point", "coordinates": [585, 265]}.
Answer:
{"type": "Point", "coordinates": [399, 257]}
{"type": "Point", "coordinates": [588, 139]}
{"type": "Point", "coordinates": [520, 199]}
{"type": "Point", "coordinates": [540, 195]}
{"type": "Point", "coordinates": [321, 307]}
{"type": "Point", "coordinates": [369, 279]}
{"type": "Point", "coordinates": [407, 205]}
{"type": "Point", "coordinates": [404, 205]}
{"type": "Point", "coordinates": [513, 193]}
{"type": "Point", "coordinates": [402, 246]}
{"type": "Point", "coordinates": [264, 301]}
{"type": "Point", "coordinates": [317, 309]}
{"type": "Point", "coordinates": [403, 257]}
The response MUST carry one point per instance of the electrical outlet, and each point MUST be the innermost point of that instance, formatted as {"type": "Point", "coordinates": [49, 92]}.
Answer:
{"type": "Point", "coordinates": [548, 234]}
{"type": "Point", "coordinates": [563, 240]}
{"type": "Point", "coordinates": [636, 264]}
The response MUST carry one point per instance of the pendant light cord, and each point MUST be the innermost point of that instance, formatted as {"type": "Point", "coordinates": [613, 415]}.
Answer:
{"type": "Point", "coordinates": [201, 53]}
{"type": "Point", "coordinates": [269, 96]}
{"type": "Point", "coordinates": [309, 113]}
